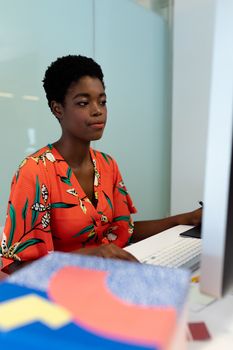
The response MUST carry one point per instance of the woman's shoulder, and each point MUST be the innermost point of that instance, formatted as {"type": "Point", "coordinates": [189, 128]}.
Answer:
{"type": "Point", "coordinates": [33, 162]}
{"type": "Point", "coordinates": [42, 155]}
{"type": "Point", "coordinates": [104, 158]}
{"type": "Point", "coordinates": [102, 155]}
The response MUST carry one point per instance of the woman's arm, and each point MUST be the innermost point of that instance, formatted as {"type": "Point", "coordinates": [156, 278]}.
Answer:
{"type": "Point", "coordinates": [15, 266]}
{"type": "Point", "coordinates": [110, 251]}
{"type": "Point", "coordinates": [145, 229]}
{"type": "Point", "coordinates": [27, 233]}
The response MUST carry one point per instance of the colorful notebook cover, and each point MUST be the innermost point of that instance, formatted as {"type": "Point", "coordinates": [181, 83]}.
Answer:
{"type": "Point", "coordinates": [77, 302]}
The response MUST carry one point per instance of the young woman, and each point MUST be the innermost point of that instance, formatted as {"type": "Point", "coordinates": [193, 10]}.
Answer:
{"type": "Point", "coordinates": [67, 196]}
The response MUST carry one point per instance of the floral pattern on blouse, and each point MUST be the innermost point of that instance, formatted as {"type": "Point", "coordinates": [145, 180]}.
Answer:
{"type": "Point", "coordinates": [48, 209]}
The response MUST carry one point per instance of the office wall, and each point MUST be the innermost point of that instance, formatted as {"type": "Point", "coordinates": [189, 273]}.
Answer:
{"type": "Point", "coordinates": [138, 131]}
{"type": "Point", "coordinates": [192, 55]}
{"type": "Point", "coordinates": [32, 34]}
{"type": "Point", "coordinates": [130, 43]}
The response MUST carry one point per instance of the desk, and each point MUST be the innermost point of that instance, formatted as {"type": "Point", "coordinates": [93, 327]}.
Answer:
{"type": "Point", "coordinates": [218, 315]}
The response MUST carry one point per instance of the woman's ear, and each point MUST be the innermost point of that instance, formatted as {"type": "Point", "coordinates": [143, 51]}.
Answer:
{"type": "Point", "coordinates": [57, 109]}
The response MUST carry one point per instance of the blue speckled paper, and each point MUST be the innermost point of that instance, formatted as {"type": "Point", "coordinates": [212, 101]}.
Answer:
{"type": "Point", "coordinates": [133, 282]}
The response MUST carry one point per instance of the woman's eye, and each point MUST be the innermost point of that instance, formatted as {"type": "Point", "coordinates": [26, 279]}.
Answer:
{"type": "Point", "coordinates": [103, 103]}
{"type": "Point", "coordinates": [82, 103]}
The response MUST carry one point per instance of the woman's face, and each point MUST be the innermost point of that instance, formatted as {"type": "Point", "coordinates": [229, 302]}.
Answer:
{"type": "Point", "coordinates": [83, 114]}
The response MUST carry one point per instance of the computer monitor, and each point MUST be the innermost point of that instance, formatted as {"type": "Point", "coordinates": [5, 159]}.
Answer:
{"type": "Point", "coordinates": [217, 227]}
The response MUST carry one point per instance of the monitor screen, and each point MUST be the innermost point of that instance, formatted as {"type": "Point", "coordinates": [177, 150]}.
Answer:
{"type": "Point", "coordinates": [217, 227]}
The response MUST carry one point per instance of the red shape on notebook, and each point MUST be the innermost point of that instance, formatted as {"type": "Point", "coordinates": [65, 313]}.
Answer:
{"type": "Point", "coordinates": [85, 294]}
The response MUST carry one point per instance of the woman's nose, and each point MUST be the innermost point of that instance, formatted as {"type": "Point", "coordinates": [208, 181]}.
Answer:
{"type": "Point", "coordinates": [96, 111]}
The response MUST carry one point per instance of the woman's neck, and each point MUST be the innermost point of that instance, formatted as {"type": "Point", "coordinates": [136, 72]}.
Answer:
{"type": "Point", "coordinates": [75, 153]}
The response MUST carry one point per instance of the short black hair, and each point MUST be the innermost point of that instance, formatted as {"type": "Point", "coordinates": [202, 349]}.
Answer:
{"type": "Point", "coordinates": [66, 70]}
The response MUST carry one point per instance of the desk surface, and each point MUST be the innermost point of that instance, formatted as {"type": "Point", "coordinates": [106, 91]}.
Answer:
{"type": "Point", "coordinates": [218, 317]}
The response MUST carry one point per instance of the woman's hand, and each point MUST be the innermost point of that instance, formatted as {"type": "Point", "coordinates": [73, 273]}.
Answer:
{"type": "Point", "coordinates": [108, 251]}
{"type": "Point", "coordinates": [191, 218]}
{"type": "Point", "coordinates": [145, 229]}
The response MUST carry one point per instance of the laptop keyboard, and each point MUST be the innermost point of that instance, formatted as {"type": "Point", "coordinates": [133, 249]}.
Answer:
{"type": "Point", "coordinates": [185, 253]}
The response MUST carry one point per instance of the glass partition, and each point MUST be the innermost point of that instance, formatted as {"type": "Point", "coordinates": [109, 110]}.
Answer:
{"type": "Point", "coordinates": [132, 45]}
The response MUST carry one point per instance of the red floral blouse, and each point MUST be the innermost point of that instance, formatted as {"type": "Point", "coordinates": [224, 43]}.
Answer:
{"type": "Point", "coordinates": [48, 209]}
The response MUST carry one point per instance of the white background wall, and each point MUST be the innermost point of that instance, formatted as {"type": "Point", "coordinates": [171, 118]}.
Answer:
{"type": "Point", "coordinates": [192, 57]}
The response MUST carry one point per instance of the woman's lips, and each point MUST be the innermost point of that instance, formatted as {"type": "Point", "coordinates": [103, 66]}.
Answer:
{"type": "Point", "coordinates": [97, 125]}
